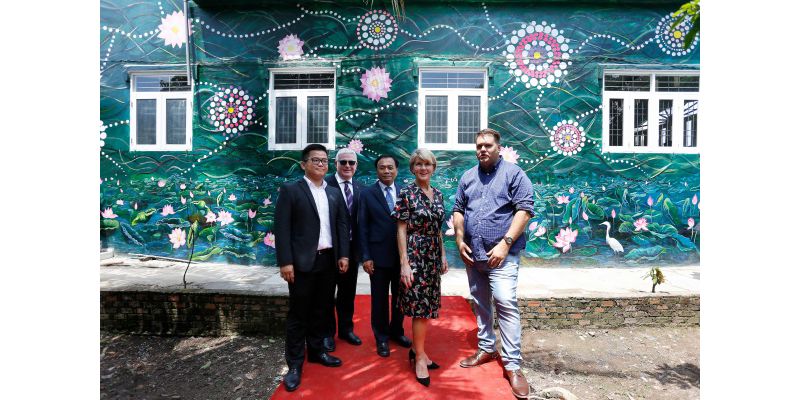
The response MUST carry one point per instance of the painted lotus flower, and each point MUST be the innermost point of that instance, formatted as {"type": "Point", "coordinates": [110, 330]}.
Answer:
{"type": "Point", "coordinates": [640, 224]}
{"type": "Point", "coordinates": [584, 216]}
{"type": "Point", "coordinates": [191, 194]}
{"type": "Point", "coordinates": [173, 29]}
{"type": "Point", "coordinates": [251, 213]}
{"type": "Point", "coordinates": [267, 201]}
{"type": "Point", "coordinates": [232, 197]}
{"type": "Point", "coordinates": [167, 210]}
{"type": "Point", "coordinates": [562, 199]}
{"type": "Point", "coordinates": [183, 186]}
{"type": "Point", "coordinates": [694, 199]}
{"type": "Point", "coordinates": [290, 47]}
{"type": "Point", "coordinates": [356, 146]}
{"type": "Point", "coordinates": [269, 240]}
{"type": "Point", "coordinates": [162, 183]}
{"type": "Point", "coordinates": [177, 238]}
{"type": "Point", "coordinates": [565, 238]}
{"type": "Point", "coordinates": [450, 228]}
{"type": "Point", "coordinates": [509, 154]}
{"type": "Point", "coordinates": [135, 206]}
{"type": "Point", "coordinates": [120, 202]}
{"type": "Point", "coordinates": [540, 231]}
{"type": "Point", "coordinates": [224, 218]}
{"type": "Point", "coordinates": [376, 83]}
{"type": "Point", "coordinates": [211, 217]}
{"type": "Point", "coordinates": [613, 213]}
{"type": "Point", "coordinates": [108, 213]}
{"type": "Point", "coordinates": [571, 190]}
{"type": "Point", "coordinates": [650, 201]}
{"type": "Point", "coordinates": [690, 223]}
{"type": "Point", "coordinates": [183, 200]}
{"type": "Point", "coordinates": [533, 225]}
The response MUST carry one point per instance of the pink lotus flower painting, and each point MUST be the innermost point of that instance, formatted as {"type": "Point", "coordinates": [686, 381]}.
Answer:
{"type": "Point", "coordinates": [450, 228]}
{"type": "Point", "coordinates": [533, 225]}
{"type": "Point", "coordinates": [565, 238]}
{"type": "Point", "coordinates": [232, 197]}
{"type": "Point", "coordinates": [162, 183]}
{"type": "Point", "coordinates": [290, 47]}
{"type": "Point", "coordinates": [167, 210]}
{"type": "Point", "coordinates": [376, 83]}
{"type": "Point", "coordinates": [540, 231]}
{"type": "Point", "coordinates": [640, 224]}
{"type": "Point", "coordinates": [224, 218]}
{"type": "Point", "coordinates": [211, 217]}
{"type": "Point", "coordinates": [251, 213]}
{"type": "Point", "coordinates": [267, 201]}
{"type": "Point", "coordinates": [120, 202]}
{"type": "Point", "coordinates": [177, 238]}
{"type": "Point", "coordinates": [108, 213]}
{"type": "Point", "coordinates": [183, 200]}
{"type": "Point", "coordinates": [509, 154]}
{"type": "Point", "coordinates": [269, 240]}
{"type": "Point", "coordinates": [562, 199]}
{"type": "Point", "coordinates": [356, 146]}
{"type": "Point", "coordinates": [690, 223]}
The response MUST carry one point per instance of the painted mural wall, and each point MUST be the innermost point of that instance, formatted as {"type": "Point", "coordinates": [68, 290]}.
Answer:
{"type": "Point", "coordinates": [550, 116]}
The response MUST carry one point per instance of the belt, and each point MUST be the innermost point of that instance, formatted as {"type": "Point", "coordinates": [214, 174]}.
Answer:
{"type": "Point", "coordinates": [325, 251]}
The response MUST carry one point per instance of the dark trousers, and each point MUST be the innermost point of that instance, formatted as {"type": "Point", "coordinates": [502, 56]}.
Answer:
{"type": "Point", "coordinates": [381, 282]}
{"type": "Point", "coordinates": [309, 300]}
{"type": "Point", "coordinates": [345, 296]}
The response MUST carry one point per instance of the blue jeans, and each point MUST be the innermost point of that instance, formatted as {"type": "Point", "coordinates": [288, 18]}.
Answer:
{"type": "Point", "coordinates": [497, 286]}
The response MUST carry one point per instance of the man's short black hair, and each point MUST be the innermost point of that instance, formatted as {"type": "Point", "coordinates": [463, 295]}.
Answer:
{"type": "Point", "coordinates": [382, 156]}
{"type": "Point", "coordinates": [313, 147]}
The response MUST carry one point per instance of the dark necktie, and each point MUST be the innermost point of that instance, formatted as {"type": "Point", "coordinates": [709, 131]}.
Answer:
{"type": "Point", "coordinates": [348, 196]}
{"type": "Point", "coordinates": [389, 200]}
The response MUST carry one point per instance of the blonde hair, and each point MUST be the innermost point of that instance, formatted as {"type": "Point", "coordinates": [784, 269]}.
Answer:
{"type": "Point", "coordinates": [421, 154]}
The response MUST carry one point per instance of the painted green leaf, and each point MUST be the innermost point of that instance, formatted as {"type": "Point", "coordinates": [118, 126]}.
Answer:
{"type": "Point", "coordinates": [237, 254]}
{"type": "Point", "coordinates": [585, 251]}
{"type": "Point", "coordinates": [109, 224]}
{"type": "Point", "coordinates": [641, 241]}
{"type": "Point", "coordinates": [143, 216]}
{"type": "Point", "coordinates": [626, 227]}
{"type": "Point", "coordinates": [174, 222]}
{"type": "Point", "coordinates": [246, 206]}
{"type": "Point", "coordinates": [625, 217]}
{"type": "Point", "coordinates": [130, 233]}
{"type": "Point", "coordinates": [684, 243]}
{"type": "Point", "coordinates": [660, 198]}
{"type": "Point", "coordinates": [207, 233]}
{"type": "Point", "coordinates": [571, 210]}
{"type": "Point", "coordinates": [608, 202]}
{"type": "Point", "coordinates": [235, 234]}
{"type": "Point", "coordinates": [649, 253]}
{"type": "Point", "coordinates": [206, 254]}
{"type": "Point", "coordinates": [663, 228]}
{"type": "Point", "coordinates": [595, 212]}
{"type": "Point", "coordinates": [672, 211]}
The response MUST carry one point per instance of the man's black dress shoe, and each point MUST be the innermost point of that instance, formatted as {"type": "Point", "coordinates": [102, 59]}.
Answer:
{"type": "Point", "coordinates": [351, 338]}
{"type": "Point", "coordinates": [328, 345]}
{"type": "Point", "coordinates": [292, 379]}
{"type": "Point", "coordinates": [383, 349]}
{"type": "Point", "coordinates": [325, 359]}
{"type": "Point", "coordinates": [402, 340]}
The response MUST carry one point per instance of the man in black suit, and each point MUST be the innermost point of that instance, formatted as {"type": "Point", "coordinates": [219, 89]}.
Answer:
{"type": "Point", "coordinates": [311, 239]}
{"type": "Point", "coordinates": [350, 190]}
{"type": "Point", "coordinates": [378, 236]}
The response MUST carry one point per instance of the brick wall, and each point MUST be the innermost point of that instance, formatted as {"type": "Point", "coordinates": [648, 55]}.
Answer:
{"type": "Point", "coordinates": [214, 314]}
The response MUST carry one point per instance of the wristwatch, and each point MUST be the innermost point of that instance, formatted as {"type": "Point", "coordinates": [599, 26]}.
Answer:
{"type": "Point", "coordinates": [508, 240]}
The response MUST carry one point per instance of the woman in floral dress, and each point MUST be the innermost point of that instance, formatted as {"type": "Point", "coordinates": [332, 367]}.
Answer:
{"type": "Point", "coordinates": [419, 212]}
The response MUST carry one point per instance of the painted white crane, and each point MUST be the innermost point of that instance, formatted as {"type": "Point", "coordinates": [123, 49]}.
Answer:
{"type": "Point", "coordinates": [615, 245]}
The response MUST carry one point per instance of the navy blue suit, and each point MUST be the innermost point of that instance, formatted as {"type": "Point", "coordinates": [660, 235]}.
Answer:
{"type": "Point", "coordinates": [377, 232]}
{"type": "Point", "coordinates": [346, 283]}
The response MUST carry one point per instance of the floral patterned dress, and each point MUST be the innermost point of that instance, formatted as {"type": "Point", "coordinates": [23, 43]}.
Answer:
{"type": "Point", "coordinates": [424, 218]}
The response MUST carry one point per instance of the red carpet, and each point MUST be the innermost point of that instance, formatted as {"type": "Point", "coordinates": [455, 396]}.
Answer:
{"type": "Point", "coordinates": [365, 375]}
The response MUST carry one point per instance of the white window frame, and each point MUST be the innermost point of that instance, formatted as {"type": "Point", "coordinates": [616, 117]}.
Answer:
{"type": "Point", "coordinates": [161, 113]}
{"type": "Point", "coordinates": [652, 98]}
{"type": "Point", "coordinates": [302, 112]}
{"type": "Point", "coordinates": [452, 108]}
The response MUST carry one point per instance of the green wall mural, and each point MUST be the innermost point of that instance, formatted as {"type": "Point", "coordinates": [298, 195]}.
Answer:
{"type": "Point", "coordinates": [545, 96]}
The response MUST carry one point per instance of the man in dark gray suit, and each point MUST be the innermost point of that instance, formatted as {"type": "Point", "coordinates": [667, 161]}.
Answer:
{"type": "Point", "coordinates": [378, 236]}
{"type": "Point", "coordinates": [350, 190]}
{"type": "Point", "coordinates": [311, 239]}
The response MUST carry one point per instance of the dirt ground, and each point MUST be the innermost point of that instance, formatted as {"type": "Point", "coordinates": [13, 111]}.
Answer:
{"type": "Point", "coordinates": [602, 364]}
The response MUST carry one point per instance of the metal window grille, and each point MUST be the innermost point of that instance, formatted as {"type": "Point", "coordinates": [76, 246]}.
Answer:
{"type": "Point", "coordinates": [640, 127]}
{"type": "Point", "coordinates": [690, 123]}
{"type": "Point", "coordinates": [303, 81]}
{"type": "Point", "coordinates": [317, 131]}
{"type": "Point", "coordinates": [677, 83]}
{"type": "Point", "coordinates": [665, 123]}
{"type": "Point", "coordinates": [627, 83]}
{"type": "Point", "coordinates": [162, 83]}
{"type": "Point", "coordinates": [452, 80]}
{"type": "Point", "coordinates": [146, 121]}
{"type": "Point", "coordinates": [176, 121]}
{"type": "Point", "coordinates": [285, 119]}
{"type": "Point", "coordinates": [469, 118]}
{"type": "Point", "coordinates": [615, 114]}
{"type": "Point", "coordinates": [436, 119]}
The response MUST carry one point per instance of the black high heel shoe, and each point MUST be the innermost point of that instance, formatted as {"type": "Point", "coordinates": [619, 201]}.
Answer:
{"type": "Point", "coordinates": [412, 359]}
{"type": "Point", "coordinates": [412, 356]}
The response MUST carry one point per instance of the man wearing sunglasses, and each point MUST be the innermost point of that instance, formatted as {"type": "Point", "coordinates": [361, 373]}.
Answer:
{"type": "Point", "coordinates": [346, 165]}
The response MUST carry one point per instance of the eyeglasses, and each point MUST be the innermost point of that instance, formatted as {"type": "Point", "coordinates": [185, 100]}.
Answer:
{"type": "Point", "coordinates": [318, 161]}
{"type": "Point", "coordinates": [347, 162]}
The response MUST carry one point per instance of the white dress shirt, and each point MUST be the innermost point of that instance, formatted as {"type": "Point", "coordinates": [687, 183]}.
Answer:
{"type": "Point", "coordinates": [321, 200]}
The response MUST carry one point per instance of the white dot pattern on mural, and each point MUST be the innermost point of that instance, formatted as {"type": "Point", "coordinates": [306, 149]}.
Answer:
{"type": "Point", "coordinates": [465, 40]}
{"type": "Point", "coordinates": [376, 30]}
{"type": "Point", "coordinates": [615, 39]}
{"type": "Point", "coordinates": [503, 93]}
{"type": "Point", "coordinates": [486, 14]}
{"type": "Point", "coordinates": [671, 41]}
{"type": "Point", "coordinates": [375, 110]}
{"type": "Point", "coordinates": [538, 55]}
{"type": "Point", "coordinates": [231, 110]}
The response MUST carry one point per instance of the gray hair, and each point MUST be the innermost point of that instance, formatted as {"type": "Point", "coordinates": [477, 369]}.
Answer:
{"type": "Point", "coordinates": [345, 150]}
{"type": "Point", "coordinates": [421, 154]}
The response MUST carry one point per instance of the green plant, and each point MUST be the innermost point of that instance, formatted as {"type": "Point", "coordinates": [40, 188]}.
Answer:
{"type": "Point", "coordinates": [656, 276]}
{"type": "Point", "coordinates": [690, 10]}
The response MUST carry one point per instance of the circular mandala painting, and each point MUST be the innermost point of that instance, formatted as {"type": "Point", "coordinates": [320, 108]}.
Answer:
{"type": "Point", "coordinates": [538, 55]}
{"type": "Point", "coordinates": [671, 40]}
{"type": "Point", "coordinates": [231, 110]}
{"type": "Point", "coordinates": [376, 30]}
{"type": "Point", "coordinates": [567, 138]}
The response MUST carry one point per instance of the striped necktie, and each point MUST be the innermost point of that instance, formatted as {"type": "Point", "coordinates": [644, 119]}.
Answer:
{"type": "Point", "coordinates": [389, 199]}
{"type": "Point", "coordinates": [348, 195]}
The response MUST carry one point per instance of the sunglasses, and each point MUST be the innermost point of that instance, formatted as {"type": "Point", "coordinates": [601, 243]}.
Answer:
{"type": "Point", "coordinates": [347, 162]}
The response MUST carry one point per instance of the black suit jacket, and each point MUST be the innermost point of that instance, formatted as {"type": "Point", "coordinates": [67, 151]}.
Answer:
{"type": "Point", "coordinates": [297, 225]}
{"type": "Point", "coordinates": [357, 187]}
{"type": "Point", "coordinates": [377, 229]}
